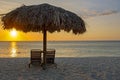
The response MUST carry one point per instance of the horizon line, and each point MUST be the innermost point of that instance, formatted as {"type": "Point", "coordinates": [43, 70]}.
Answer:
{"type": "Point", "coordinates": [57, 40]}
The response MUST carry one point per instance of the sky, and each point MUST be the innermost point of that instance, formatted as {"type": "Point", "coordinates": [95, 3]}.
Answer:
{"type": "Point", "coordinates": [102, 19]}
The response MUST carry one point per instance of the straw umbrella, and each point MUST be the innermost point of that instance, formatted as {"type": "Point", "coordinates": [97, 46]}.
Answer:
{"type": "Point", "coordinates": [43, 18]}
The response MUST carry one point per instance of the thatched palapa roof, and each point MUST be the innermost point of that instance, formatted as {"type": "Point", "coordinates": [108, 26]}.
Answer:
{"type": "Point", "coordinates": [36, 17]}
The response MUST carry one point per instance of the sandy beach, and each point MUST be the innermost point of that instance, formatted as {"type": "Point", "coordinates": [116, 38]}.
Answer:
{"type": "Point", "coordinates": [99, 68]}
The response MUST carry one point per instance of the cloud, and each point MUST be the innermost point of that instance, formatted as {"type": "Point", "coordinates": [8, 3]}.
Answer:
{"type": "Point", "coordinates": [109, 12]}
{"type": "Point", "coordinates": [6, 6]}
{"type": "Point", "coordinates": [74, 6]}
{"type": "Point", "coordinates": [86, 13]}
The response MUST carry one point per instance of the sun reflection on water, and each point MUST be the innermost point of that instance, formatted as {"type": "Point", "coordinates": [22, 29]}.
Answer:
{"type": "Point", "coordinates": [13, 49]}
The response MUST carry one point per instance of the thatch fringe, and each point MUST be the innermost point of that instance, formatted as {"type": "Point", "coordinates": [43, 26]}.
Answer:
{"type": "Point", "coordinates": [35, 17]}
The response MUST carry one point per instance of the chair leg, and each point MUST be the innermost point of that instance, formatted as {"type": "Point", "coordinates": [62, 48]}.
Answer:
{"type": "Point", "coordinates": [29, 65]}
{"type": "Point", "coordinates": [55, 65]}
{"type": "Point", "coordinates": [44, 67]}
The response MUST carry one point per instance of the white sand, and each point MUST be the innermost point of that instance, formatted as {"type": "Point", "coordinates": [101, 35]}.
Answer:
{"type": "Point", "coordinates": [101, 68]}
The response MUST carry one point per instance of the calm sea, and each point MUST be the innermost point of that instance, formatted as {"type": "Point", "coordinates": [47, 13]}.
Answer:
{"type": "Point", "coordinates": [63, 48]}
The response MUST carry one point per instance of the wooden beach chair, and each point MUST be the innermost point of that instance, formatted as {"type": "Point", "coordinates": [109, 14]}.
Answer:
{"type": "Point", "coordinates": [50, 57]}
{"type": "Point", "coordinates": [35, 57]}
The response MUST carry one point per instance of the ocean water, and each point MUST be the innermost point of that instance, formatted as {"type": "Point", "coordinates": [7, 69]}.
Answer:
{"type": "Point", "coordinates": [63, 48]}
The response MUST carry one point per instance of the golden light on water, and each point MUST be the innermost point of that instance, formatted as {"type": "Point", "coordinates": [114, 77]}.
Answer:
{"type": "Point", "coordinates": [13, 49]}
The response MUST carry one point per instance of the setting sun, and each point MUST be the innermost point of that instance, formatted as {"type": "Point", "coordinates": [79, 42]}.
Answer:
{"type": "Point", "coordinates": [13, 33]}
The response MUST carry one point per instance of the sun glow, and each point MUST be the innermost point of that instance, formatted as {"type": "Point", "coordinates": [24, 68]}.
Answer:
{"type": "Point", "coordinates": [13, 33]}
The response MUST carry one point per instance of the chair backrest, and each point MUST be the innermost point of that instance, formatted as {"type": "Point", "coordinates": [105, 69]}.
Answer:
{"type": "Point", "coordinates": [50, 52]}
{"type": "Point", "coordinates": [50, 56]}
{"type": "Point", "coordinates": [36, 54]}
